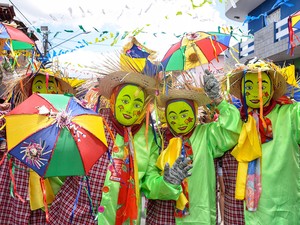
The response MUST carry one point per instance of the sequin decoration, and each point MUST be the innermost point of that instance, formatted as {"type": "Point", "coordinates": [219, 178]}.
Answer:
{"type": "Point", "coordinates": [34, 153]}
{"type": "Point", "coordinates": [63, 118]}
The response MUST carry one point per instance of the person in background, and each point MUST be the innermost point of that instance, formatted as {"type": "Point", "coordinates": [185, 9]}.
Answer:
{"type": "Point", "coordinates": [20, 204]}
{"type": "Point", "coordinates": [202, 143]}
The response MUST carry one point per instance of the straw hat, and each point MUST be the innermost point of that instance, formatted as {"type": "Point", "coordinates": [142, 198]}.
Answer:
{"type": "Point", "coordinates": [63, 86]}
{"type": "Point", "coordinates": [198, 96]}
{"type": "Point", "coordinates": [278, 80]}
{"type": "Point", "coordinates": [22, 85]}
{"type": "Point", "coordinates": [110, 81]}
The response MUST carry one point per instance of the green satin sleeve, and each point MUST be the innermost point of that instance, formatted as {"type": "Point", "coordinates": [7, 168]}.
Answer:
{"type": "Point", "coordinates": [295, 112]}
{"type": "Point", "coordinates": [153, 185]}
{"type": "Point", "coordinates": [223, 134]}
{"type": "Point", "coordinates": [150, 181]}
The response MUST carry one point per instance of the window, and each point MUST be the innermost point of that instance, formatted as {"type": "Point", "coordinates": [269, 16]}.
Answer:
{"type": "Point", "coordinates": [273, 16]}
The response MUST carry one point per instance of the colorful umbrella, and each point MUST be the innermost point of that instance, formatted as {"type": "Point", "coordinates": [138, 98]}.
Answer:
{"type": "Point", "coordinates": [55, 135]}
{"type": "Point", "coordinates": [295, 20]}
{"type": "Point", "coordinates": [16, 38]}
{"type": "Point", "coordinates": [136, 56]}
{"type": "Point", "coordinates": [195, 49]}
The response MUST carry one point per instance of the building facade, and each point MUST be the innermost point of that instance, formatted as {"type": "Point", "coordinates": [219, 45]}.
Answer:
{"type": "Point", "coordinates": [267, 21]}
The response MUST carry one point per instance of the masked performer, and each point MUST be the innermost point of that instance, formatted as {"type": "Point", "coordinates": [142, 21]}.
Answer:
{"type": "Point", "coordinates": [268, 148]}
{"type": "Point", "coordinates": [21, 197]}
{"type": "Point", "coordinates": [202, 143]}
{"type": "Point", "coordinates": [119, 178]}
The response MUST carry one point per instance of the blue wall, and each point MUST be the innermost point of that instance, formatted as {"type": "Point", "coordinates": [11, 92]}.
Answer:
{"type": "Point", "coordinates": [266, 6]}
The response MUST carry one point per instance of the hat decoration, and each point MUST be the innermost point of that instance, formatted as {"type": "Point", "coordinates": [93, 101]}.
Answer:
{"type": "Point", "coordinates": [181, 85]}
{"type": "Point", "coordinates": [111, 73]}
{"type": "Point", "coordinates": [253, 66]}
{"type": "Point", "coordinates": [20, 86]}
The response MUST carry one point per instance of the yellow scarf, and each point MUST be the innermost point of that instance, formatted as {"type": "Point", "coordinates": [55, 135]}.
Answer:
{"type": "Point", "coordinates": [247, 149]}
{"type": "Point", "coordinates": [169, 155]}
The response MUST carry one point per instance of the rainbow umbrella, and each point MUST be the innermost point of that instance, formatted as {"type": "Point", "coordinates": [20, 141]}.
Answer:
{"type": "Point", "coordinates": [295, 20]}
{"type": "Point", "coordinates": [15, 38]}
{"type": "Point", "coordinates": [195, 49]}
{"type": "Point", "coordinates": [55, 135]}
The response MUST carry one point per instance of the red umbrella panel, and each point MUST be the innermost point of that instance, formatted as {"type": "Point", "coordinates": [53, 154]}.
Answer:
{"type": "Point", "coordinates": [195, 49]}
{"type": "Point", "coordinates": [15, 39]}
{"type": "Point", "coordinates": [10, 32]}
{"type": "Point", "coordinates": [55, 135]}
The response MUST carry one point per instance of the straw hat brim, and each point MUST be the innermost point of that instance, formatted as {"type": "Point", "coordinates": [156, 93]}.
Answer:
{"type": "Point", "coordinates": [198, 96]}
{"type": "Point", "coordinates": [278, 82]}
{"type": "Point", "coordinates": [110, 81]}
{"type": "Point", "coordinates": [63, 86]}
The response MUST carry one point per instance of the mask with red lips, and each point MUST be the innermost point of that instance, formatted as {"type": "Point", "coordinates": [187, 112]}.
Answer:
{"type": "Point", "coordinates": [129, 104]}
{"type": "Point", "coordinates": [180, 116]}
{"type": "Point", "coordinates": [250, 88]}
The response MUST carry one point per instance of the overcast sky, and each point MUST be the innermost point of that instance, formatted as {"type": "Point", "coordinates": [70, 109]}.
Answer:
{"type": "Point", "coordinates": [162, 20]}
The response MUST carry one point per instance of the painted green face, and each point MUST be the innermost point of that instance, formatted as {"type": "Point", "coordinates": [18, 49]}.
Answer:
{"type": "Point", "coordinates": [251, 87]}
{"type": "Point", "coordinates": [180, 117]}
{"type": "Point", "coordinates": [129, 104]}
{"type": "Point", "coordinates": [39, 85]}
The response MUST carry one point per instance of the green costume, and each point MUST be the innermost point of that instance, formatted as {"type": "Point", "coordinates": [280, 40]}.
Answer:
{"type": "Point", "coordinates": [151, 183]}
{"type": "Point", "coordinates": [209, 141]}
{"type": "Point", "coordinates": [280, 197]}
{"type": "Point", "coordinates": [268, 176]}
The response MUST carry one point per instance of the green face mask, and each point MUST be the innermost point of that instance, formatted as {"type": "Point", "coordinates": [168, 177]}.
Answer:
{"type": "Point", "coordinates": [251, 89]}
{"type": "Point", "coordinates": [129, 104]}
{"type": "Point", "coordinates": [181, 117]}
{"type": "Point", "coordinates": [39, 85]}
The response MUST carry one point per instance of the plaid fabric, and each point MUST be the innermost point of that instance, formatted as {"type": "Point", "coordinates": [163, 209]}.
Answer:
{"type": "Point", "coordinates": [233, 209]}
{"type": "Point", "coordinates": [160, 212]}
{"type": "Point", "coordinates": [12, 210]}
{"type": "Point", "coordinates": [216, 162]}
{"type": "Point", "coordinates": [37, 217]}
{"type": "Point", "coordinates": [61, 208]}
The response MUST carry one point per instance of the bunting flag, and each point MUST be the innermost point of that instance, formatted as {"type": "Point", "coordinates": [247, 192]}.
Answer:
{"type": "Point", "coordinates": [265, 14]}
{"type": "Point", "coordinates": [116, 37]}
{"type": "Point", "coordinates": [293, 24]}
